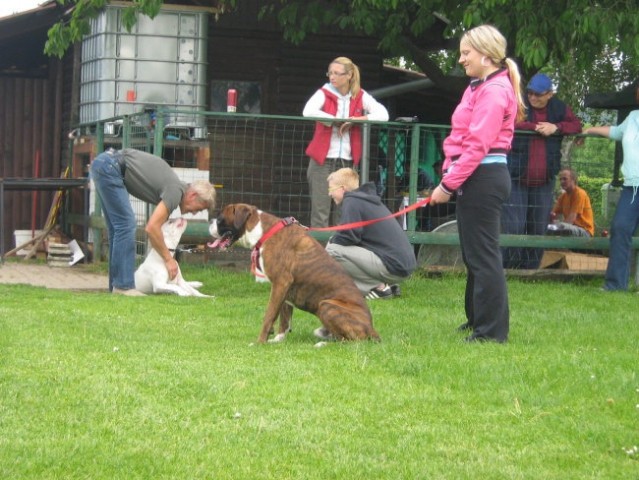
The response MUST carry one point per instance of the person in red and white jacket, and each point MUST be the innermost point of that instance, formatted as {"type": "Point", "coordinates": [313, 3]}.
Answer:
{"type": "Point", "coordinates": [482, 129]}
{"type": "Point", "coordinates": [336, 142]}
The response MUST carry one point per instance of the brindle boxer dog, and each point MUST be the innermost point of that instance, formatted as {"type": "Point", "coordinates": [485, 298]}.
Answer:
{"type": "Point", "coordinates": [302, 274]}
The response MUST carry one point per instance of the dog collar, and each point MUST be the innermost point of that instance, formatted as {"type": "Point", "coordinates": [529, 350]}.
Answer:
{"type": "Point", "coordinates": [255, 254]}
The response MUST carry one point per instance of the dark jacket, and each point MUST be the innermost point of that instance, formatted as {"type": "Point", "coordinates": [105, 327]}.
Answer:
{"type": "Point", "coordinates": [557, 112]}
{"type": "Point", "coordinates": [386, 239]}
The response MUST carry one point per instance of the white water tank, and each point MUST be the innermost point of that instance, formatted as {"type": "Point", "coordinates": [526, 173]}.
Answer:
{"type": "Point", "coordinates": [160, 63]}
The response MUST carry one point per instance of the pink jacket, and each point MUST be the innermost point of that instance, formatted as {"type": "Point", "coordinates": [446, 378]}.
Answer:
{"type": "Point", "coordinates": [483, 121]}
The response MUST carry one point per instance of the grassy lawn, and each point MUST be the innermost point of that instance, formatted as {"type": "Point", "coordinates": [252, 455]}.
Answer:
{"type": "Point", "coordinates": [95, 386]}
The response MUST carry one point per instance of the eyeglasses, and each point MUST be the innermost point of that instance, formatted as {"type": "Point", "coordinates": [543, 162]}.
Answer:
{"type": "Point", "coordinates": [332, 189]}
{"type": "Point", "coordinates": [338, 74]}
{"type": "Point", "coordinates": [530, 93]}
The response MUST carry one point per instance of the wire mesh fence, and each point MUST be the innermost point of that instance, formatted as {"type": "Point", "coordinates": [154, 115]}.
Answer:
{"type": "Point", "coordinates": [261, 160]}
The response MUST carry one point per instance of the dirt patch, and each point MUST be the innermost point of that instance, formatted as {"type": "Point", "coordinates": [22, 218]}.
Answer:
{"type": "Point", "coordinates": [77, 277]}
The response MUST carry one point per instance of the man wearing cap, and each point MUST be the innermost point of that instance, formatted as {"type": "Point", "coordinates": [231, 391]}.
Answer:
{"type": "Point", "coordinates": [534, 161]}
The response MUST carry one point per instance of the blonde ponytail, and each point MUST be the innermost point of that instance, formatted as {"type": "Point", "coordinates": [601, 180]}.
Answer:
{"type": "Point", "coordinates": [515, 80]}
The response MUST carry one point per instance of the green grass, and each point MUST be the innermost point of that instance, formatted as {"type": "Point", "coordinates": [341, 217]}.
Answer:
{"type": "Point", "coordinates": [95, 386]}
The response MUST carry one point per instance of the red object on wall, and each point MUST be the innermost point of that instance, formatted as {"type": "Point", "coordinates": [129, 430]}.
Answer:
{"type": "Point", "coordinates": [231, 100]}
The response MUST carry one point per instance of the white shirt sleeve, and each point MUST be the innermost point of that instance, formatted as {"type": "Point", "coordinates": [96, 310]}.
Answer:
{"type": "Point", "coordinates": [313, 107]}
{"type": "Point", "coordinates": [374, 110]}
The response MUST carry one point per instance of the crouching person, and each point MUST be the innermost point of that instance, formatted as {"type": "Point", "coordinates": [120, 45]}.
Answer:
{"type": "Point", "coordinates": [377, 256]}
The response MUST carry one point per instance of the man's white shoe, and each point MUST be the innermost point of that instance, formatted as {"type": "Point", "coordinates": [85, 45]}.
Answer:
{"type": "Point", "coordinates": [131, 292]}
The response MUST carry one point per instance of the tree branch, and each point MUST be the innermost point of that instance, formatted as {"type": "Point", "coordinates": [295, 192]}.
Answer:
{"type": "Point", "coordinates": [448, 83]}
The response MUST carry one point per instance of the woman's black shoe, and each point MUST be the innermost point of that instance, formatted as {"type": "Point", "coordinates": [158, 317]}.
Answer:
{"type": "Point", "coordinates": [464, 326]}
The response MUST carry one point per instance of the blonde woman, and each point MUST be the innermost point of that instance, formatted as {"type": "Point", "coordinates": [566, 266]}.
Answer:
{"type": "Point", "coordinates": [475, 169]}
{"type": "Point", "coordinates": [336, 143]}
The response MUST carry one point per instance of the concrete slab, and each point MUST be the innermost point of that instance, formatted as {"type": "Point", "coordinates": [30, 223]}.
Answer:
{"type": "Point", "coordinates": [77, 277]}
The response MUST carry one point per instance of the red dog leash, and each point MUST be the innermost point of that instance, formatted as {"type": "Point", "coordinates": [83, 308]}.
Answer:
{"type": "Point", "coordinates": [285, 222]}
{"type": "Point", "coordinates": [348, 226]}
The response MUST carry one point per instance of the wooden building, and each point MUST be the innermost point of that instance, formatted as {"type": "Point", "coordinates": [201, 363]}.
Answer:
{"type": "Point", "coordinates": [40, 95]}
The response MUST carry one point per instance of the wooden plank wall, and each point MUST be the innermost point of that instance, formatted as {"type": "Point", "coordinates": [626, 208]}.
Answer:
{"type": "Point", "coordinates": [243, 49]}
{"type": "Point", "coordinates": [304, 68]}
{"type": "Point", "coordinates": [26, 130]}
{"type": "Point", "coordinates": [39, 114]}
{"type": "Point", "coordinates": [274, 176]}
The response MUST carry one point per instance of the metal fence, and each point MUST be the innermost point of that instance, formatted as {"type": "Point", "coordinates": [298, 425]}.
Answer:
{"type": "Point", "coordinates": [260, 159]}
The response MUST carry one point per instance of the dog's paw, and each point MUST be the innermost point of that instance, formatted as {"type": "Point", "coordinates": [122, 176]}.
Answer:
{"type": "Point", "coordinates": [320, 344]}
{"type": "Point", "coordinates": [280, 337]}
{"type": "Point", "coordinates": [201, 295]}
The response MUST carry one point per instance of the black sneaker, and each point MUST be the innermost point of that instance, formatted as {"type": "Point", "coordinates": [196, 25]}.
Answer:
{"type": "Point", "coordinates": [397, 291]}
{"type": "Point", "coordinates": [384, 293]}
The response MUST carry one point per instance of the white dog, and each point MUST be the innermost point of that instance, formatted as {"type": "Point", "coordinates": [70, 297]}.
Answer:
{"type": "Point", "coordinates": [153, 277]}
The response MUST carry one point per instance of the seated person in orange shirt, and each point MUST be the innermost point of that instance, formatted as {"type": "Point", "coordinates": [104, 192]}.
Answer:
{"type": "Point", "coordinates": [574, 206]}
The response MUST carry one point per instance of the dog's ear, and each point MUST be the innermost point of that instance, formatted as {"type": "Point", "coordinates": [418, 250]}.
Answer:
{"type": "Point", "coordinates": [242, 213]}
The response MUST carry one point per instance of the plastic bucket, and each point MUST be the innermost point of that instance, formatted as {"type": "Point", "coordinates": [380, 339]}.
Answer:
{"type": "Point", "coordinates": [22, 237]}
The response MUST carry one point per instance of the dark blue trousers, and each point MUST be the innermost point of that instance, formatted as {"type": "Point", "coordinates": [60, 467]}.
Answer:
{"type": "Point", "coordinates": [526, 212]}
{"type": "Point", "coordinates": [479, 206]}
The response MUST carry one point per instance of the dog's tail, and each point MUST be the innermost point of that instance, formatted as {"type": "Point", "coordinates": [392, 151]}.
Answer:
{"type": "Point", "coordinates": [347, 321]}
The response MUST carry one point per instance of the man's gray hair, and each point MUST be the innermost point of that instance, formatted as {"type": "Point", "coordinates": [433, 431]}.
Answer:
{"type": "Point", "coordinates": [205, 192]}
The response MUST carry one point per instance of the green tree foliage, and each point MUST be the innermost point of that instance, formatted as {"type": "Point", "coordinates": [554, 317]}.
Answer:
{"type": "Point", "coordinates": [540, 33]}
{"type": "Point", "coordinates": [70, 30]}
{"type": "Point", "coordinates": [581, 41]}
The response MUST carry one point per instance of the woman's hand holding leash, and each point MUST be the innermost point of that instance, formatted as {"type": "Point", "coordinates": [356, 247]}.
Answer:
{"type": "Point", "coordinates": [439, 196]}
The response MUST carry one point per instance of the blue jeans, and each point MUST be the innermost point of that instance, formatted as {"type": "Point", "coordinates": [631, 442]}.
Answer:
{"type": "Point", "coordinates": [527, 212]}
{"type": "Point", "coordinates": [624, 224]}
{"type": "Point", "coordinates": [119, 217]}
